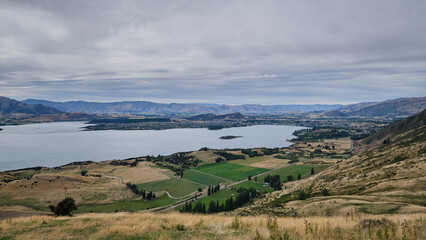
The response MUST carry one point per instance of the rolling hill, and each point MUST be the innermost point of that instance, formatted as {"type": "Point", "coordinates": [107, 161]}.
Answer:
{"type": "Point", "coordinates": [144, 107]}
{"type": "Point", "coordinates": [387, 178]}
{"type": "Point", "coordinates": [398, 127]}
{"type": "Point", "coordinates": [395, 108]}
{"type": "Point", "coordinates": [12, 107]}
{"type": "Point", "coordinates": [212, 117]}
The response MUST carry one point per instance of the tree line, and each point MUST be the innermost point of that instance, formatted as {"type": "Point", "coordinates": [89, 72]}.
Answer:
{"type": "Point", "coordinates": [145, 195]}
{"type": "Point", "coordinates": [244, 196]}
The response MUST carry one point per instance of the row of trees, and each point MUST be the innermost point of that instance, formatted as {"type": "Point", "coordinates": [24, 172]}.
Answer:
{"type": "Point", "coordinates": [244, 196]}
{"type": "Point", "coordinates": [229, 156]}
{"type": "Point", "coordinates": [274, 181]}
{"type": "Point", "coordinates": [145, 195]}
{"type": "Point", "coordinates": [213, 189]}
{"type": "Point", "coordinates": [270, 151]}
{"type": "Point", "coordinates": [251, 153]}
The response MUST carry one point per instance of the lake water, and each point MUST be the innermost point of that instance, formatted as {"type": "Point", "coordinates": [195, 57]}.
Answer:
{"type": "Point", "coordinates": [55, 144]}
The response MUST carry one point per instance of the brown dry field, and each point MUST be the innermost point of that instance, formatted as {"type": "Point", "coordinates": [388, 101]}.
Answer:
{"type": "Point", "coordinates": [52, 187]}
{"type": "Point", "coordinates": [192, 226]}
{"type": "Point", "coordinates": [206, 156]}
{"type": "Point", "coordinates": [341, 145]}
{"type": "Point", "coordinates": [270, 164]}
{"type": "Point", "coordinates": [144, 172]}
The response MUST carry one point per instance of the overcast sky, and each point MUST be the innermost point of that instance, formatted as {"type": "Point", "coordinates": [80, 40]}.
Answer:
{"type": "Point", "coordinates": [233, 52]}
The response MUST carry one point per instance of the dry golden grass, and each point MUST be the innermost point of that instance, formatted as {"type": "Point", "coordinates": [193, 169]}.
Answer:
{"type": "Point", "coordinates": [143, 173]}
{"type": "Point", "coordinates": [49, 188]}
{"type": "Point", "coordinates": [341, 145]}
{"type": "Point", "coordinates": [16, 208]}
{"type": "Point", "coordinates": [187, 226]}
{"type": "Point", "coordinates": [319, 160]}
{"type": "Point", "coordinates": [52, 185]}
{"type": "Point", "coordinates": [206, 156]}
{"type": "Point", "coordinates": [270, 164]}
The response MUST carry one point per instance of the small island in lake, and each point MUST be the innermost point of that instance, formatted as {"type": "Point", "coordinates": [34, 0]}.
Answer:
{"type": "Point", "coordinates": [227, 137]}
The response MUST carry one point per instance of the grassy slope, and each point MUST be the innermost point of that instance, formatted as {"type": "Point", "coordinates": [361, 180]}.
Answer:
{"type": "Point", "coordinates": [175, 186]}
{"type": "Point", "coordinates": [387, 179]}
{"type": "Point", "coordinates": [203, 178]}
{"type": "Point", "coordinates": [186, 226]}
{"type": "Point", "coordinates": [220, 196]}
{"type": "Point", "coordinates": [230, 171]}
{"type": "Point", "coordinates": [224, 194]}
{"type": "Point", "coordinates": [304, 170]}
{"type": "Point", "coordinates": [252, 160]}
{"type": "Point", "coordinates": [131, 205]}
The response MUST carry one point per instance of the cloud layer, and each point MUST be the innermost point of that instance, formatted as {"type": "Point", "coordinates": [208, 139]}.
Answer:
{"type": "Point", "coordinates": [268, 52]}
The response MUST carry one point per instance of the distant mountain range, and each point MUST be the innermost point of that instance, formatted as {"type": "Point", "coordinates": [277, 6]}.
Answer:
{"type": "Point", "coordinates": [144, 107]}
{"type": "Point", "coordinates": [10, 107]}
{"type": "Point", "coordinates": [396, 108]}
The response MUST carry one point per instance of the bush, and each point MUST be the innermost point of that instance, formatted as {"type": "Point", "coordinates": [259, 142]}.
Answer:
{"type": "Point", "coordinates": [270, 151]}
{"type": "Point", "coordinates": [180, 227]}
{"type": "Point", "coordinates": [83, 173]}
{"type": "Point", "coordinates": [303, 195]}
{"type": "Point", "coordinates": [64, 207]}
{"type": "Point", "coordinates": [229, 156]}
{"type": "Point", "coordinates": [325, 192]}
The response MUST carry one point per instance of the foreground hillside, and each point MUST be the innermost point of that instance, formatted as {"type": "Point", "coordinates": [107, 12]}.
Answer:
{"type": "Point", "coordinates": [187, 226]}
{"type": "Point", "coordinates": [389, 178]}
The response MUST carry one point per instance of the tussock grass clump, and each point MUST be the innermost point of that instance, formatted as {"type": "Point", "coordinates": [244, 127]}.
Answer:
{"type": "Point", "coordinates": [192, 226]}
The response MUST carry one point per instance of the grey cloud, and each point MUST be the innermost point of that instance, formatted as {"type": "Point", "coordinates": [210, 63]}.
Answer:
{"type": "Point", "coordinates": [268, 52]}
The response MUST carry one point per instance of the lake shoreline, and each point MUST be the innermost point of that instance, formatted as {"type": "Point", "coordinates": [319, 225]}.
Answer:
{"type": "Point", "coordinates": [61, 143]}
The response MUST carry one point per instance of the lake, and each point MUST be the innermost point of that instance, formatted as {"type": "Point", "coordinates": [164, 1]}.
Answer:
{"type": "Point", "coordinates": [59, 143]}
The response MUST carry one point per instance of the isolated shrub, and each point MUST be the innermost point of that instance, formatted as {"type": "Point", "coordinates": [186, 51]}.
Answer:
{"type": "Point", "coordinates": [325, 192]}
{"type": "Point", "coordinates": [236, 223]}
{"type": "Point", "coordinates": [64, 207]}
{"type": "Point", "coordinates": [302, 195]}
{"type": "Point", "coordinates": [83, 173]}
{"type": "Point", "coordinates": [180, 227]}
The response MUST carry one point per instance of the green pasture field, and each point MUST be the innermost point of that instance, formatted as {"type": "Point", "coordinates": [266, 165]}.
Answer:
{"type": "Point", "coordinates": [231, 171]}
{"type": "Point", "coordinates": [175, 186]}
{"type": "Point", "coordinates": [220, 196]}
{"type": "Point", "coordinates": [203, 178]}
{"type": "Point", "coordinates": [304, 170]}
{"type": "Point", "coordinates": [132, 205]}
